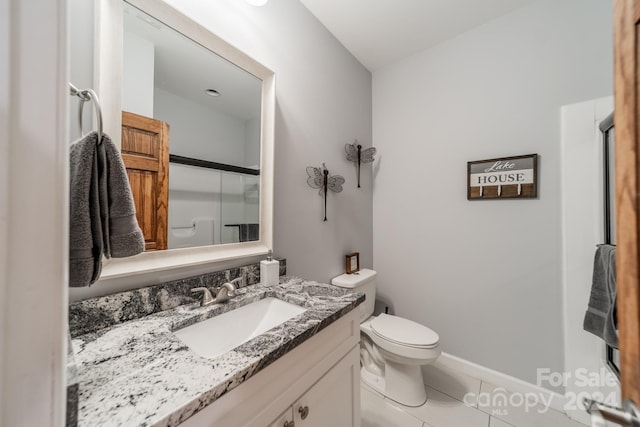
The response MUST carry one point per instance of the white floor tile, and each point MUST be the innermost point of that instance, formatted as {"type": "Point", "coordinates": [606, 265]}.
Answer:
{"type": "Point", "coordinates": [452, 383]}
{"type": "Point", "coordinates": [520, 410]}
{"type": "Point", "coordinates": [365, 386]}
{"type": "Point", "coordinates": [444, 411]}
{"type": "Point", "coordinates": [445, 407]}
{"type": "Point", "coordinates": [377, 412]}
{"type": "Point", "coordinates": [496, 422]}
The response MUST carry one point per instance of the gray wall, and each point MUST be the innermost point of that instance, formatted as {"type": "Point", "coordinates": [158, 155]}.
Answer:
{"type": "Point", "coordinates": [486, 275]}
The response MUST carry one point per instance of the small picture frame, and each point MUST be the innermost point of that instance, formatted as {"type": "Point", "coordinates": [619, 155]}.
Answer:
{"type": "Point", "coordinates": [352, 262]}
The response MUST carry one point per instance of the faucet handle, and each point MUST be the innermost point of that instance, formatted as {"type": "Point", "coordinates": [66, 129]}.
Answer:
{"type": "Point", "coordinates": [206, 295]}
{"type": "Point", "coordinates": [231, 289]}
{"type": "Point", "coordinates": [238, 282]}
{"type": "Point", "coordinates": [224, 292]}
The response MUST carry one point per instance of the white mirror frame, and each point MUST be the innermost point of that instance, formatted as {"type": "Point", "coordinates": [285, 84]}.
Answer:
{"type": "Point", "coordinates": [108, 84]}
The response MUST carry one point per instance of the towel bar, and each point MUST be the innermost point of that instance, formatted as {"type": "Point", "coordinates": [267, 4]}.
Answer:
{"type": "Point", "coordinates": [87, 95]}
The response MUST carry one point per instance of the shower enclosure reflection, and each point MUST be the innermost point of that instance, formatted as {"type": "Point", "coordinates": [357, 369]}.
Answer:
{"type": "Point", "coordinates": [609, 175]}
{"type": "Point", "coordinates": [211, 207]}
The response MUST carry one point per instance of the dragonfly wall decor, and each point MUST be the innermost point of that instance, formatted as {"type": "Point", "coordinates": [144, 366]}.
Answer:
{"type": "Point", "coordinates": [319, 178]}
{"type": "Point", "coordinates": [357, 155]}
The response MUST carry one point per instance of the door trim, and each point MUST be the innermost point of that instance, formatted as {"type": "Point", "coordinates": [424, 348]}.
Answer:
{"type": "Point", "coordinates": [626, 73]}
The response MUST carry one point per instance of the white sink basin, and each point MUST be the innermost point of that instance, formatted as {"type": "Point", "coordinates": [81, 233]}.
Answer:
{"type": "Point", "coordinates": [218, 335]}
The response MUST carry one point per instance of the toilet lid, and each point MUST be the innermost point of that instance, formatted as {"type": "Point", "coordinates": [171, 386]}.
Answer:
{"type": "Point", "coordinates": [404, 331]}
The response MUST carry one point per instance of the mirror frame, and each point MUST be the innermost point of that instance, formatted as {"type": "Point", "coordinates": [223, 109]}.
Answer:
{"type": "Point", "coordinates": [108, 83]}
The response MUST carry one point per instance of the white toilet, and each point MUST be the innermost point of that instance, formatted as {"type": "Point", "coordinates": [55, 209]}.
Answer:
{"type": "Point", "coordinates": [392, 349]}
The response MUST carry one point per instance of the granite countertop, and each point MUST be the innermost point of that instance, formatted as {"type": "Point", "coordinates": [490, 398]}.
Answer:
{"type": "Point", "coordinates": [138, 373]}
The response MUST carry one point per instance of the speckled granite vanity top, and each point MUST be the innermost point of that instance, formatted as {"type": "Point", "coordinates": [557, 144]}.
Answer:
{"type": "Point", "coordinates": [138, 373]}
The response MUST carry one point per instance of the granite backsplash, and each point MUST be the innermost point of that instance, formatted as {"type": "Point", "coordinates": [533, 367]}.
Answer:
{"type": "Point", "coordinates": [98, 313]}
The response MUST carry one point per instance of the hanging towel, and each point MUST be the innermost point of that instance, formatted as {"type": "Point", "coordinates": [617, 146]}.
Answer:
{"type": "Point", "coordinates": [600, 318]}
{"type": "Point", "coordinates": [85, 231]}
{"type": "Point", "coordinates": [124, 237]}
{"type": "Point", "coordinates": [248, 232]}
{"type": "Point", "coordinates": [102, 211]}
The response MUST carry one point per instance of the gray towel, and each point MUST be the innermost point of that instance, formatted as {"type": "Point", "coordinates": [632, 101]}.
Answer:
{"type": "Point", "coordinates": [85, 231]}
{"type": "Point", "coordinates": [102, 211]}
{"type": "Point", "coordinates": [248, 232]}
{"type": "Point", "coordinates": [600, 318]}
{"type": "Point", "coordinates": [125, 238]}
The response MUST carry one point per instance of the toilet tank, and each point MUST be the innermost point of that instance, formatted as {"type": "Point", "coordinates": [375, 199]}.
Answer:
{"type": "Point", "coordinates": [363, 281]}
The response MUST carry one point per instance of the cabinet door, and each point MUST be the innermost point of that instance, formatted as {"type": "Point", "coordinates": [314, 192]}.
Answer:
{"type": "Point", "coordinates": [284, 420]}
{"type": "Point", "coordinates": [335, 399]}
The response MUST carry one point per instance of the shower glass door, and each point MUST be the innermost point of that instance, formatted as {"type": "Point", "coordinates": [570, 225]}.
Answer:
{"type": "Point", "coordinates": [239, 207]}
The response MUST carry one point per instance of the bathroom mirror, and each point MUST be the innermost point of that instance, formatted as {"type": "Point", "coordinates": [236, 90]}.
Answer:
{"type": "Point", "coordinates": [156, 67]}
{"type": "Point", "coordinates": [211, 108]}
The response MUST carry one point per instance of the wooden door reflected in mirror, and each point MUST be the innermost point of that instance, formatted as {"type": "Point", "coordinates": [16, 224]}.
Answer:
{"type": "Point", "coordinates": [145, 152]}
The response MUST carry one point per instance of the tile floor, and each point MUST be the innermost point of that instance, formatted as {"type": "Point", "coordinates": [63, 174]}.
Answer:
{"type": "Point", "coordinates": [457, 400]}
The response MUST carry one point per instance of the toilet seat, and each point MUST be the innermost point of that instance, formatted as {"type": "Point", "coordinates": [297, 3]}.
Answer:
{"type": "Point", "coordinates": [404, 332]}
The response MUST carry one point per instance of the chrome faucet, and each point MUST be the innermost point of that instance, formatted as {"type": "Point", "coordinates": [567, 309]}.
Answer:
{"type": "Point", "coordinates": [224, 293]}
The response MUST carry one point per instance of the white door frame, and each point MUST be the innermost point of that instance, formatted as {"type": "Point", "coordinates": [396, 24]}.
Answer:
{"type": "Point", "coordinates": [583, 229]}
{"type": "Point", "coordinates": [33, 211]}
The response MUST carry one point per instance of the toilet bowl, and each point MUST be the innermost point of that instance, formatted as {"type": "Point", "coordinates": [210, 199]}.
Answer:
{"type": "Point", "coordinates": [392, 348]}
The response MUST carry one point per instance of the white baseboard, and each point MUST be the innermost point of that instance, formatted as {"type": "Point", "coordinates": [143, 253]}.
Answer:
{"type": "Point", "coordinates": [500, 379]}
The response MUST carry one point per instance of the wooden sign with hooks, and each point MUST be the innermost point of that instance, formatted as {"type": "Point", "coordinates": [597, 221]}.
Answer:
{"type": "Point", "coordinates": [503, 178]}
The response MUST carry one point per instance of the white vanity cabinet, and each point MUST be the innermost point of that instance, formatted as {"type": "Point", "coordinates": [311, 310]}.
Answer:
{"type": "Point", "coordinates": [285, 419]}
{"type": "Point", "coordinates": [317, 384]}
{"type": "Point", "coordinates": [333, 401]}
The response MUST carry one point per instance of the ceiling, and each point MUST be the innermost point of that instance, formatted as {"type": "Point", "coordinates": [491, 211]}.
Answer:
{"type": "Point", "coordinates": [380, 32]}
{"type": "Point", "coordinates": [185, 68]}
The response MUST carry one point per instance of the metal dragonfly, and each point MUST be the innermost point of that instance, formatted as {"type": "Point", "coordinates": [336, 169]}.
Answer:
{"type": "Point", "coordinates": [357, 155]}
{"type": "Point", "coordinates": [319, 178]}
